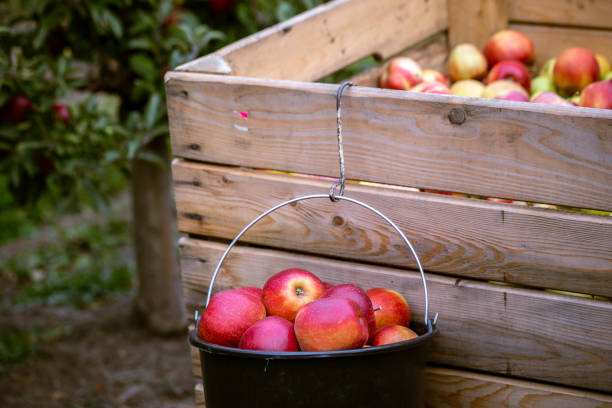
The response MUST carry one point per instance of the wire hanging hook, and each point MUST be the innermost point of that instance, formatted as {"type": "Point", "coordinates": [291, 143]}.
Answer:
{"type": "Point", "coordinates": [341, 181]}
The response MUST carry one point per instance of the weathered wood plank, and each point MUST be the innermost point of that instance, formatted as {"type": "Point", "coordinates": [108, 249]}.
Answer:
{"type": "Point", "coordinates": [430, 54]}
{"type": "Point", "coordinates": [549, 42]}
{"type": "Point", "coordinates": [497, 329]}
{"type": "Point", "coordinates": [199, 395]}
{"type": "Point", "coordinates": [528, 152]}
{"type": "Point", "coordinates": [456, 236]}
{"type": "Point", "coordinates": [454, 388]}
{"type": "Point", "coordinates": [327, 38]}
{"type": "Point", "coordinates": [589, 13]}
{"type": "Point", "coordinates": [474, 21]}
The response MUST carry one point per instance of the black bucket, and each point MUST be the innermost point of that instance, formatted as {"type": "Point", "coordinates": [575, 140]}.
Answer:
{"type": "Point", "coordinates": [383, 376]}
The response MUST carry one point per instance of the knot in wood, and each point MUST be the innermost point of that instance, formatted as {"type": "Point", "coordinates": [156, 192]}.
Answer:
{"type": "Point", "coordinates": [457, 116]}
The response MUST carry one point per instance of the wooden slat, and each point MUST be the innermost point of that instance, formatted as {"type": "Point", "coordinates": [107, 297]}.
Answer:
{"type": "Point", "coordinates": [430, 55]}
{"type": "Point", "coordinates": [588, 13]}
{"type": "Point", "coordinates": [461, 237]}
{"type": "Point", "coordinates": [454, 388]}
{"type": "Point", "coordinates": [199, 395]}
{"type": "Point", "coordinates": [327, 38]}
{"type": "Point", "coordinates": [549, 42]}
{"type": "Point", "coordinates": [474, 21]}
{"type": "Point", "coordinates": [497, 329]}
{"type": "Point", "coordinates": [529, 152]}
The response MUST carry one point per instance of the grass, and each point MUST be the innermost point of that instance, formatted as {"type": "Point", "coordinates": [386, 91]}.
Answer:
{"type": "Point", "coordinates": [84, 265]}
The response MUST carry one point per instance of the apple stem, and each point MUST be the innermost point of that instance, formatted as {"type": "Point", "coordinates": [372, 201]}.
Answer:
{"type": "Point", "coordinates": [299, 291]}
{"type": "Point", "coordinates": [378, 308]}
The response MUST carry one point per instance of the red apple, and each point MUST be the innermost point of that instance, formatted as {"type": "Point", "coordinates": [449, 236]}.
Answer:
{"type": "Point", "coordinates": [550, 98]}
{"type": "Point", "coordinates": [390, 307]}
{"type": "Point", "coordinates": [468, 87]}
{"type": "Point", "coordinates": [287, 291]}
{"type": "Point", "coordinates": [402, 73]}
{"type": "Point", "coordinates": [499, 89]}
{"type": "Point", "coordinates": [15, 109]}
{"type": "Point", "coordinates": [512, 70]}
{"type": "Point", "coordinates": [597, 95]}
{"type": "Point", "coordinates": [331, 324]}
{"type": "Point", "coordinates": [392, 334]}
{"type": "Point", "coordinates": [357, 295]}
{"type": "Point", "coordinates": [513, 96]}
{"type": "Point", "coordinates": [431, 87]}
{"type": "Point", "coordinates": [509, 45]}
{"type": "Point", "coordinates": [251, 290]}
{"type": "Point", "coordinates": [466, 62]}
{"type": "Point", "coordinates": [270, 334]}
{"type": "Point", "coordinates": [228, 315]}
{"type": "Point", "coordinates": [61, 113]}
{"type": "Point", "coordinates": [431, 75]}
{"type": "Point", "coordinates": [574, 70]}
{"type": "Point", "coordinates": [221, 6]}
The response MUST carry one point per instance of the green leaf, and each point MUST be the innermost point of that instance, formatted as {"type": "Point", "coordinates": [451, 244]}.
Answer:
{"type": "Point", "coordinates": [285, 11]}
{"type": "Point", "coordinates": [141, 43]}
{"type": "Point", "coordinates": [144, 66]}
{"type": "Point", "coordinates": [152, 110]}
{"type": "Point", "coordinates": [112, 21]}
{"type": "Point", "coordinates": [151, 158]}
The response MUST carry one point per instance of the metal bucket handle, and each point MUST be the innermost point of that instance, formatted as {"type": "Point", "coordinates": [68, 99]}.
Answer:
{"type": "Point", "coordinates": [337, 198]}
{"type": "Point", "coordinates": [334, 197]}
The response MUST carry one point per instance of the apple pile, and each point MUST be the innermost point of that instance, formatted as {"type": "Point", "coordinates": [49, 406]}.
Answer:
{"type": "Point", "coordinates": [502, 71]}
{"type": "Point", "coordinates": [296, 311]}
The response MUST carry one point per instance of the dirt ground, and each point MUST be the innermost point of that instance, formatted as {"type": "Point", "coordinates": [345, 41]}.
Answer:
{"type": "Point", "coordinates": [104, 358]}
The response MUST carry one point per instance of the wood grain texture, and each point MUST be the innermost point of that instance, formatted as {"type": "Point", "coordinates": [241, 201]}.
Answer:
{"type": "Point", "coordinates": [588, 13]}
{"type": "Point", "coordinates": [549, 42]}
{"type": "Point", "coordinates": [491, 328]}
{"type": "Point", "coordinates": [474, 21]}
{"type": "Point", "coordinates": [431, 54]}
{"type": "Point", "coordinates": [528, 152]}
{"type": "Point", "coordinates": [456, 236]}
{"type": "Point", "coordinates": [199, 395]}
{"type": "Point", "coordinates": [331, 36]}
{"type": "Point", "coordinates": [454, 388]}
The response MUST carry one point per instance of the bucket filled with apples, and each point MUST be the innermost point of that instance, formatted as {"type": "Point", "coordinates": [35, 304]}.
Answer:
{"type": "Point", "coordinates": [301, 342]}
{"type": "Point", "coordinates": [503, 70]}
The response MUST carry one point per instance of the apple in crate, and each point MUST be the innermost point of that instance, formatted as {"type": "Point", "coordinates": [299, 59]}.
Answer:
{"type": "Point", "coordinates": [390, 307]}
{"type": "Point", "coordinates": [574, 70]}
{"type": "Point", "coordinates": [597, 95]}
{"type": "Point", "coordinates": [432, 87]}
{"type": "Point", "coordinates": [357, 295]}
{"type": "Point", "coordinates": [270, 334]}
{"type": "Point", "coordinates": [509, 45]}
{"type": "Point", "coordinates": [393, 334]}
{"type": "Point", "coordinates": [541, 84]}
{"type": "Point", "coordinates": [331, 323]}
{"type": "Point", "coordinates": [604, 66]}
{"type": "Point", "coordinates": [227, 316]}
{"type": "Point", "coordinates": [512, 70]}
{"type": "Point", "coordinates": [550, 98]}
{"type": "Point", "coordinates": [466, 62]}
{"type": "Point", "coordinates": [499, 89]}
{"type": "Point", "coordinates": [402, 73]}
{"type": "Point", "coordinates": [513, 96]}
{"type": "Point", "coordinates": [431, 75]}
{"type": "Point", "coordinates": [287, 291]}
{"type": "Point", "coordinates": [548, 68]}
{"type": "Point", "coordinates": [468, 87]}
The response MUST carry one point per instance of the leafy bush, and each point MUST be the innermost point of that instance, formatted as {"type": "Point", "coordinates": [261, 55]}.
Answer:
{"type": "Point", "coordinates": [81, 86]}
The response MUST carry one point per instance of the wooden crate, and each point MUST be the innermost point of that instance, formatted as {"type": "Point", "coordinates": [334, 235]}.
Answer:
{"type": "Point", "coordinates": [254, 105]}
